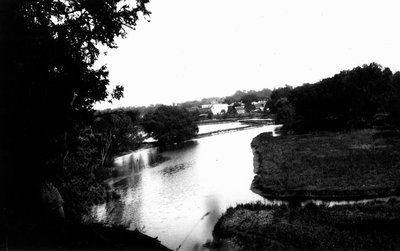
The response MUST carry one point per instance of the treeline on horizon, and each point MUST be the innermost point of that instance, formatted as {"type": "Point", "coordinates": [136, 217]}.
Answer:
{"type": "Point", "coordinates": [359, 98]}
{"type": "Point", "coordinates": [244, 96]}
{"type": "Point", "coordinates": [363, 97]}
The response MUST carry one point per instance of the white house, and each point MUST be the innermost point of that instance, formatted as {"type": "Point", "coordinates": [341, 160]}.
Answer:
{"type": "Point", "coordinates": [206, 106]}
{"type": "Point", "coordinates": [259, 105]}
{"type": "Point", "coordinates": [218, 108]}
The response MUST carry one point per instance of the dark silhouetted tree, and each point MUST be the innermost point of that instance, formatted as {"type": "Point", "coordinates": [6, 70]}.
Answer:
{"type": "Point", "coordinates": [50, 83]}
{"type": "Point", "coordinates": [284, 111]}
{"type": "Point", "coordinates": [277, 94]}
{"type": "Point", "coordinates": [170, 124]}
{"type": "Point", "coordinates": [351, 99]}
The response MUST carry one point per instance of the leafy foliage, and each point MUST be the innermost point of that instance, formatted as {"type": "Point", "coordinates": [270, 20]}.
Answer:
{"type": "Point", "coordinates": [284, 110]}
{"type": "Point", "coordinates": [50, 83]}
{"type": "Point", "coordinates": [116, 132]}
{"type": "Point", "coordinates": [170, 124]}
{"type": "Point", "coordinates": [276, 95]}
{"type": "Point", "coordinates": [81, 184]}
{"type": "Point", "coordinates": [350, 99]}
{"type": "Point", "coordinates": [85, 168]}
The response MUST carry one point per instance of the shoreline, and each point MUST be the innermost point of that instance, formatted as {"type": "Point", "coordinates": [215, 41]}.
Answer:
{"type": "Point", "coordinates": [371, 226]}
{"type": "Point", "coordinates": [251, 125]}
{"type": "Point", "coordinates": [337, 191]}
{"type": "Point", "coordinates": [305, 171]}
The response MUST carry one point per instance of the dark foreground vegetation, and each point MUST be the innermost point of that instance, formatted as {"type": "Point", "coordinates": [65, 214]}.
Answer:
{"type": "Point", "coordinates": [72, 236]}
{"type": "Point", "coordinates": [370, 226]}
{"type": "Point", "coordinates": [55, 149]}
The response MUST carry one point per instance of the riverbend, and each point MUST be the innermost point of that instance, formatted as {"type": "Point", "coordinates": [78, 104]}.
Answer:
{"type": "Point", "coordinates": [180, 200]}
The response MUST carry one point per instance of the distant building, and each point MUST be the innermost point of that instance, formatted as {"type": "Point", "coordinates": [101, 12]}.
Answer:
{"type": "Point", "coordinates": [259, 105]}
{"type": "Point", "coordinates": [219, 108]}
{"type": "Point", "coordinates": [206, 106]}
{"type": "Point", "coordinates": [215, 108]}
{"type": "Point", "coordinates": [237, 107]}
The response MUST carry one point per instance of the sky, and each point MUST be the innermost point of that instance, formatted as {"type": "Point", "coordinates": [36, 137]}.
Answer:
{"type": "Point", "coordinates": [192, 49]}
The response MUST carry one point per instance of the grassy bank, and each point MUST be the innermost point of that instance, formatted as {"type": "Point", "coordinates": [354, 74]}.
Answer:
{"type": "Point", "coordinates": [372, 225]}
{"type": "Point", "coordinates": [322, 165]}
{"type": "Point", "coordinates": [341, 165]}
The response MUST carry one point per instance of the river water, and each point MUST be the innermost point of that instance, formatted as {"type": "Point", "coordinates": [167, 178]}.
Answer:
{"type": "Point", "coordinates": [221, 126]}
{"type": "Point", "coordinates": [180, 200]}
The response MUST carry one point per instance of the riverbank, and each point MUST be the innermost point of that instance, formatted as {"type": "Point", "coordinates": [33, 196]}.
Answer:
{"type": "Point", "coordinates": [324, 166]}
{"type": "Point", "coordinates": [328, 166]}
{"type": "Point", "coordinates": [371, 225]}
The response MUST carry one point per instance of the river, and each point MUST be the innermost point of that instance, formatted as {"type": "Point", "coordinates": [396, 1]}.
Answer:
{"type": "Point", "coordinates": [180, 200]}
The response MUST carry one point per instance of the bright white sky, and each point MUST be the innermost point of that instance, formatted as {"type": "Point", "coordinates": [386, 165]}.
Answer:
{"type": "Point", "coordinates": [194, 49]}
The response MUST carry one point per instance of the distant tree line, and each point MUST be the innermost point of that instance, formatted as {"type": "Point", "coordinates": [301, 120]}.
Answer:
{"type": "Point", "coordinates": [248, 96]}
{"type": "Point", "coordinates": [358, 98]}
{"type": "Point", "coordinates": [239, 96]}
{"type": "Point", "coordinates": [203, 101]}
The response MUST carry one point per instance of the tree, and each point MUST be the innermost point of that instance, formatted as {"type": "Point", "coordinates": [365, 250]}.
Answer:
{"type": "Point", "coordinates": [116, 131]}
{"type": "Point", "coordinates": [170, 124]}
{"type": "Point", "coordinates": [50, 83]}
{"type": "Point", "coordinates": [356, 98]}
{"type": "Point", "coordinates": [284, 111]}
{"type": "Point", "coordinates": [247, 100]}
{"type": "Point", "coordinates": [277, 94]}
{"type": "Point", "coordinates": [231, 110]}
{"type": "Point", "coordinates": [394, 100]}
{"type": "Point", "coordinates": [350, 99]}
{"type": "Point", "coordinates": [210, 115]}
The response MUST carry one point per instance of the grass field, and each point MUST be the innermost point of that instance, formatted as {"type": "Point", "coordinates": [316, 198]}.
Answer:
{"type": "Point", "coordinates": [343, 165]}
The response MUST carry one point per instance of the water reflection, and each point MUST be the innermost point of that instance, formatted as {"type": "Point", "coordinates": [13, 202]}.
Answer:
{"type": "Point", "coordinates": [135, 161]}
{"type": "Point", "coordinates": [181, 199]}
